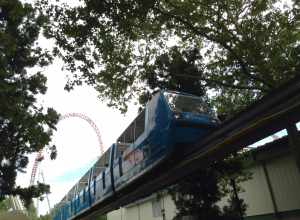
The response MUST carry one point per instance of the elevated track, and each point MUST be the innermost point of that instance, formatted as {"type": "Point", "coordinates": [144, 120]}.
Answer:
{"type": "Point", "coordinates": [276, 111]}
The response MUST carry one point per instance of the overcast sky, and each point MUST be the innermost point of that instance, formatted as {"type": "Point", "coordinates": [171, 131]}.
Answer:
{"type": "Point", "coordinates": [76, 141]}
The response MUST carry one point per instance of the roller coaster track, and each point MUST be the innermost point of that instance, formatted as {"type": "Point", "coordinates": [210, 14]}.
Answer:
{"type": "Point", "coordinates": [39, 156]}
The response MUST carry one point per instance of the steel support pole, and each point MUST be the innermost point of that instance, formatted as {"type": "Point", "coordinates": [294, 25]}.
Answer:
{"type": "Point", "coordinates": [271, 191]}
{"type": "Point", "coordinates": [294, 142]}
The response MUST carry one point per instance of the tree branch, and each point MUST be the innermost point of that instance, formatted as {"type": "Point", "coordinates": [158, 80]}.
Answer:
{"type": "Point", "coordinates": [222, 83]}
{"type": "Point", "coordinates": [223, 44]}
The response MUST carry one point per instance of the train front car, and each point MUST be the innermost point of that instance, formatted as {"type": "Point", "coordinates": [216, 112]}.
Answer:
{"type": "Point", "coordinates": [192, 117]}
{"type": "Point", "coordinates": [169, 119]}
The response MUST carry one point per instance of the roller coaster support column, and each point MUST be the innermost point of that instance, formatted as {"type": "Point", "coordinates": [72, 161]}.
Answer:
{"type": "Point", "coordinates": [294, 142]}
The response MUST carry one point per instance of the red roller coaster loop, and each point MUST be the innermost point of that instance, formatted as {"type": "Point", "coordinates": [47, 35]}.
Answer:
{"type": "Point", "coordinates": [39, 156]}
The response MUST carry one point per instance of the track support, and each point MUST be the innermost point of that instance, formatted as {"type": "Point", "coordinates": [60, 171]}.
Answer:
{"type": "Point", "coordinates": [294, 142]}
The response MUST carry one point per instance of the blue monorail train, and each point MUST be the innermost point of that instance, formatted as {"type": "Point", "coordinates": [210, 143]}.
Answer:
{"type": "Point", "coordinates": [170, 119]}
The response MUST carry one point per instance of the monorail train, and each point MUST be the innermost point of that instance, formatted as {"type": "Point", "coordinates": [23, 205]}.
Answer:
{"type": "Point", "coordinates": [170, 119]}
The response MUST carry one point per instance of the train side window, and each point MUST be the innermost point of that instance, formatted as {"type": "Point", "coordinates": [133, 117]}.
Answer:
{"type": "Point", "coordinates": [81, 198]}
{"type": "Point", "coordinates": [133, 131]}
{"type": "Point", "coordinates": [121, 149]}
{"type": "Point", "coordinates": [104, 159]}
{"type": "Point", "coordinates": [139, 125]}
{"type": "Point", "coordinates": [94, 185]}
{"type": "Point", "coordinates": [103, 179]}
{"type": "Point", "coordinates": [120, 166]}
{"type": "Point", "coordinates": [78, 201]}
{"type": "Point", "coordinates": [84, 195]}
{"type": "Point", "coordinates": [146, 151]}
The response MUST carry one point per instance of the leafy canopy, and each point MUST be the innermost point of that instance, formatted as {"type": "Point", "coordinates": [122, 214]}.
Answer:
{"type": "Point", "coordinates": [25, 127]}
{"type": "Point", "coordinates": [247, 47]}
{"type": "Point", "coordinates": [238, 49]}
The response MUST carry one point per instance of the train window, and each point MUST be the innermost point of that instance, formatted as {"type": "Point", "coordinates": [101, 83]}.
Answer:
{"type": "Point", "coordinates": [120, 166]}
{"type": "Point", "coordinates": [94, 185]}
{"type": "Point", "coordinates": [104, 159]}
{"type": "Point", "coordinates": [139, 125]}
{"type": "Point", "coordinates": [103, 180]}
{"type": "Point", "coordinates": [133, 131]}
{"type": "Point", "coordinates": [187, 103]}
{"type": "Point", "coordinates": [121, 148]}
{"type": "Point", "coordinates": [80, 198]}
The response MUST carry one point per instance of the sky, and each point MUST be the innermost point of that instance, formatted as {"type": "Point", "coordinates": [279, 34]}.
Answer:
{"type": "Point", "coordinates": [76, 141]}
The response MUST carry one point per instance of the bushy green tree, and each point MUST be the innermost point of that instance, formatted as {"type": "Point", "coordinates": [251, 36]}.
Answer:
{"type": "Point", "coordinates": [200, 193]}
{"type": "Point", "coordinates": [13, 216]}
{"type": "Point", "coordinates": [25, 126]}
{"type": "Point", "coordinates": [248, 47]}
{"type": "Point", "coordinates": [45, 217]}
{"type": "Point", "coordinates": [239, 49]}
{"type": "Point", "coordinates": [169, 72]}
{"type": "Point", "coordinates": [4, 205]}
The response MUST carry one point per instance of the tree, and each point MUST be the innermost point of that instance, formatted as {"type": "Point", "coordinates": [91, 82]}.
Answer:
{"type": "Point", "coordinates": [198, 194]}
{"type": "Point", "coordinates": [25, 126]}
{"type": "Point", "coordinates": [13, 216]}
{"type": "Point", "coordinates": [4, 205]}
{"type": "Point", "coordinates": [238, 49]}
{"type": "Point", "coordinates": [248, 47]}
{"type": "Point", "coordinates": [169, 71]}
{"type": "Point", "coordinates": [45, 217]}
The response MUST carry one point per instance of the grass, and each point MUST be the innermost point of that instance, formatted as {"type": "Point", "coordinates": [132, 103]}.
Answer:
{"type": "Point", "coordinates": [12, 216]}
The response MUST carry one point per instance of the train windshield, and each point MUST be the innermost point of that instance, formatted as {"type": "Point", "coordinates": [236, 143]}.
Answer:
{"type": "Point", "coordinates": [187, 103]}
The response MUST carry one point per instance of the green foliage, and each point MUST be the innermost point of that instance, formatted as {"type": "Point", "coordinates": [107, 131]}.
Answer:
{"type": "Point", "coordinates": [26, 194]}
{"type": "Point", "coordinates": [247, 47]}
{"type": "Point", "coordinates": [32, 212]}
{"type": "Point", "coordinates": [198, 194]}
{"type": "Point", "coordinates": [13, 216]}
{"type": "Point", "coordinates": [45, 217]}
{"type": "Point", "coordinates": [4, 205]}
{"type": "Point", "coordinates": [169, 71]}
{"type": "Point", "coordinates": [25, 127]}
